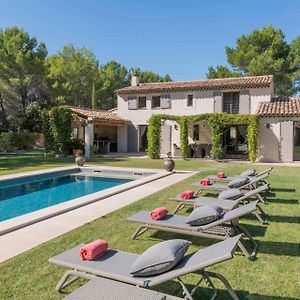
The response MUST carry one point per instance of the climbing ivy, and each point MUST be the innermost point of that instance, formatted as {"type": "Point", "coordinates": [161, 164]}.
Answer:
{"type": "Point", "coordinates": [60, 118]}
{"type": "Point", "coordinates": [217, 122]}
{"type": "Point", "coordinates": [154, 133]}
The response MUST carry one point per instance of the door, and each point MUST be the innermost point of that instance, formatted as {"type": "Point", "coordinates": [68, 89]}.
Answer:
{"type": "Point", "coordinates": [165, 139]}
{"type": "Point", "coordinates": [297, 141]}
{"type": "Point", "coordinates": [235, 141]}
{"type": "Point", "coordinates": [287, 140]}
{"type": "Point", "coordinates": [143, 142]}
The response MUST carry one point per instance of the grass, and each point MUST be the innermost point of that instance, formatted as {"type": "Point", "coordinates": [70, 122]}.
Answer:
{"type": "Point", "coordinates": [274, 275]}
{"type": "Point", "coordinates": [34, 160]}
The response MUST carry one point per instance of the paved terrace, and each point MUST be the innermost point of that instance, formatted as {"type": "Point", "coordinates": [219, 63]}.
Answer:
{"type": "Point", "coordinates": [21, 240]}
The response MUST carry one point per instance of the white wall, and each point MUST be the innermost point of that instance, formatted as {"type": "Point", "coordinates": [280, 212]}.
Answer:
{"type": "Point", "coordinates": [203, 103]}
{"type": "Point", "coordinates": [259, 95]}
{"type": "Point", "coordinates": [275, 143]}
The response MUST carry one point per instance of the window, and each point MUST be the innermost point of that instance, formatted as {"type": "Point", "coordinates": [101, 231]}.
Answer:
{"type": "Point", "coordinates": [142, 102]}
{"type": "Point", "coordinates": [231, 102]}
{"type": "Point", "coordinates": [196, 132]}
{"type": "Point", "coordinates": [190, 101]}
{"type": "Point", "coordinates": [75, 133]}
{"type": "Point", "coordinates": [155, 102]}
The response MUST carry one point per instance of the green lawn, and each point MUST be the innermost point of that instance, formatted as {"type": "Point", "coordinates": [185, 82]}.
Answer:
{"type": "Point", "coordinates": [34, 160]}
{"type": "Point", "coordinates": [274, 275]}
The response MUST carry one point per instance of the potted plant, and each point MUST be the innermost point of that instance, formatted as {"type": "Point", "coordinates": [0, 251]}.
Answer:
{"type": "Point", "coordinates": [80, 158]}
{"type": "Point", "coordinates": [169, 163]}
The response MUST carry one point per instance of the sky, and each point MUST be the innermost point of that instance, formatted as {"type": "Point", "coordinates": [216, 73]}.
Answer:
{"type": "Point", "coordinates": [180, 38]}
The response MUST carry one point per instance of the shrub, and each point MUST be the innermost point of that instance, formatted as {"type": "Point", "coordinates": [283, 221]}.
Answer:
{"type": "Point", "coordinates": [10, 141]}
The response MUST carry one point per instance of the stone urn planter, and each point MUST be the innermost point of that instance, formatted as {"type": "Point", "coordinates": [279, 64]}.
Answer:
{"type": "Point", "coordinates": [169, 163]}
{"type": "Point", "coordinates": [80, 158]}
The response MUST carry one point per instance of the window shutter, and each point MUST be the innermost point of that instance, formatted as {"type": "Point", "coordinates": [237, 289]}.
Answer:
{"type": "Point", "coordinates": [217, 101]}
{"type": "Point", "coordinates": [132, 103]}
{"type": "Point", "coordinates": [244, 108]}
{"type": "Point", "coordinates": [165, 101]}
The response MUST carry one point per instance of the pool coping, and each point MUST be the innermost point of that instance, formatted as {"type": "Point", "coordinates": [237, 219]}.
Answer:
{"type": "Point", "coordinates": [61, 208]}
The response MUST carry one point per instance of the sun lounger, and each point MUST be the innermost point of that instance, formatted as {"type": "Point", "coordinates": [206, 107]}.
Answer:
{"type": "Point", "coordinates": [221, 229]}
{"type": "Point", "coordinates": [252, 184]}
{"type": "Point", "coordinates": [115, 266]}
{"type": "Point", "coordinates": [225, 204]}
{"type": "Point", "coordinates": [214, 178]}
{"type": "Point", "coordinates": [107, 289]}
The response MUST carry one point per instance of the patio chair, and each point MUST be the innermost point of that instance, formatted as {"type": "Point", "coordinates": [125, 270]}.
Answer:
{"type": "Point", "coordinates": [221, 229]}
{"type": "Point", "coordinates": [215, 178]}
{"type": "Point", "coordinates": [115, 266]}
{"type": "Point", "coordinates": [225, 204]}
{"type": "Point", "coordinates": [252, 184]}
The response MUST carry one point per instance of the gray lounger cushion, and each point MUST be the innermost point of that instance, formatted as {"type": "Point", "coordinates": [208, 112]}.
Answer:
{"type": "Point", "coordinates": [204, 215]}
{"type": "Point", "coordinates": [238, 182]}
{"type": "Point", "coordinates": [250, 172]}
{"type": "Point", "coordinates": [160, 258]}
{"type": "Point", "coordinates": [230, 194]}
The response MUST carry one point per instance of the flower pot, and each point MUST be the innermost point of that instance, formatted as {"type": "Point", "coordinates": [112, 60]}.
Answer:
{"type": "Point", "coordinates": [169, 164]}
{"type": "Point", "coordinates": [80, 160]}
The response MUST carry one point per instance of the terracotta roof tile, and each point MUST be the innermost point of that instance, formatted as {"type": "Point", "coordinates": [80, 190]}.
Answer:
{"type": "Point", "coordinates": [210, 84]}
{"type": "Point", "coordinates": [95, 114]}
{"type": "Point", "coordinates": [280, 108]}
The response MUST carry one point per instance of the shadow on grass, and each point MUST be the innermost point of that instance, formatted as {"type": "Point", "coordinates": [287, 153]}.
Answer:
{"type": "Point", "coordinates": [276, 218]}
{"type": "Point", "coordinates": [284, 201]}
{"type": "Point", "coordinates": [268, 247]}
{"type": "Point", "coordinates": [203, 292]}
{"type": "Point", "coordinates": [283, 190]}
{"type": "Point", "coordinates": [279, 248]}
{"type": "Point", "coordinates": [106, 159]}
{"type": "Point", "coordinates": [284, 219]}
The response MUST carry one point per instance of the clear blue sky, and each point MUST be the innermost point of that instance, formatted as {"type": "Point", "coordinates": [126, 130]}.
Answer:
{"type": "Point", "coordinates": [181, 38]}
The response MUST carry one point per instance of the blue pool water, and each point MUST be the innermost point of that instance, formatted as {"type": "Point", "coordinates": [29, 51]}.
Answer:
{"type": "Point", "coordinates": [19, 197]}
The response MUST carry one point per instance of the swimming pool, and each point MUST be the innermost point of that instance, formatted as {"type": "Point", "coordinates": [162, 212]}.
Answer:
{"type": "Point", "coordinates": [29, 194]}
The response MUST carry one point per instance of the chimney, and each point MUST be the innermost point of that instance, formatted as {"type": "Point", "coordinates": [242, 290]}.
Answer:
{"type": "Point", "coordinates": [135, 80]}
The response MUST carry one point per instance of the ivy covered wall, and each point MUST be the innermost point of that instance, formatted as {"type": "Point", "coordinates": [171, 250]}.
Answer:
{"type": "Point", "coordinates": [217, 123]}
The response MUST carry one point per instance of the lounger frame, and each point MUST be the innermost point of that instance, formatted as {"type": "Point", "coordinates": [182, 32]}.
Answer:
{"type": "Point", "coordinates": [227, 205]}
{"type": "Point", "coordinates": [222, 229]}
{"type": "Point", "coordinates": [192, 263]}
{"type": "Point", "coordinates": [215, 178]}
{"type": "Point", "coordinates": [252, 184]}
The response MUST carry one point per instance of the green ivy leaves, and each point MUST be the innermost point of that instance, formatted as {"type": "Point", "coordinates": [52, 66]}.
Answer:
{"type": "Point", "coordinates": [217, 123]}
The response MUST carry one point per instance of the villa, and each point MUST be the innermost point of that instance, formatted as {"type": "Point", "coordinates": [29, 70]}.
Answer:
{"type": "Point", "coordinates": [124, 129]}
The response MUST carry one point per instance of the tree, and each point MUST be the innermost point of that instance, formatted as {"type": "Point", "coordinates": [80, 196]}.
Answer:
{"type": "Point", "coordinates": [22, 73]}
{"type": "Point", "coordinates": [71, 75]}
{"type": "Point", "coordinates": [221, 72]}
{"type": "Point", "coordinates": [94, 100]}
{"type": "Point", "coordinates": [112, 76]}
{"type": "Point", "coordinates": [265, 52]}
{"type": "Point", "coordinates": [294, 58]}
{"type": "Point", "coordinates": [149, 76]}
